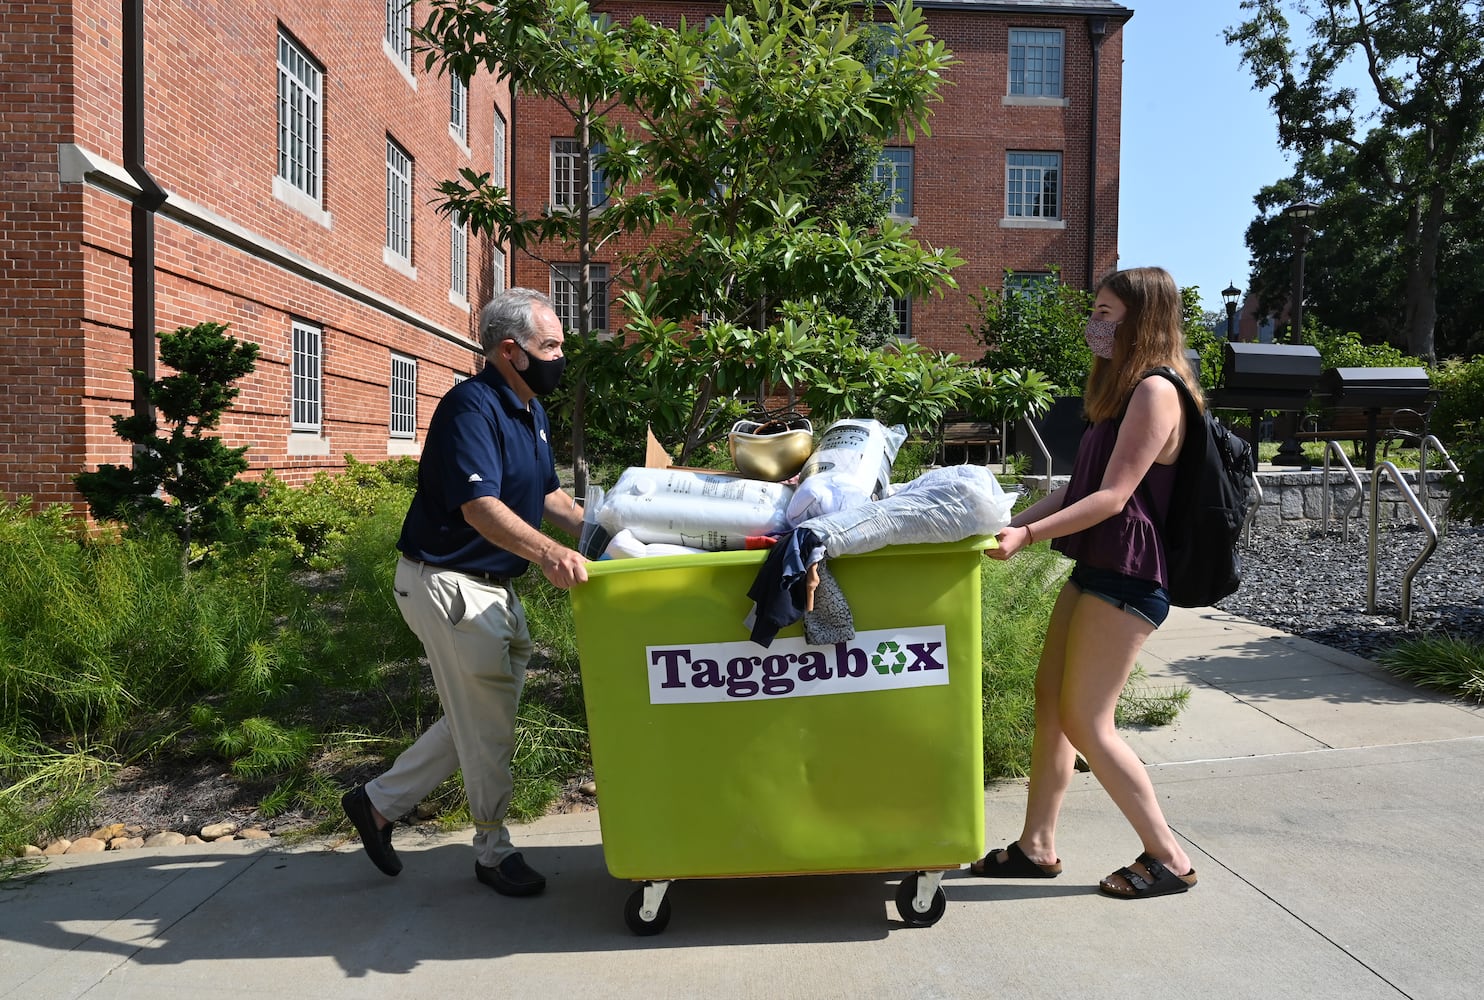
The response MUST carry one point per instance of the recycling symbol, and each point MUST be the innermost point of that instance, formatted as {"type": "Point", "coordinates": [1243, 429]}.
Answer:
{"type": "Point", "coordinates": [888, 658]}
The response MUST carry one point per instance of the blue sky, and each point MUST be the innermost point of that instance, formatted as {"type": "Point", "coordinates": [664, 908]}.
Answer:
{"type": "Point", "coordinates": [1198, 143]}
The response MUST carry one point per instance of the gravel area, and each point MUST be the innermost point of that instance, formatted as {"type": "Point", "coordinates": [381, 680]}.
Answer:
{"type": "Point", "coordinates": [1313, 584]}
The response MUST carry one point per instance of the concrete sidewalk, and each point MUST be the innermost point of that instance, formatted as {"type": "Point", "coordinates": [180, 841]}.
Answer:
{"type": "Point", "coordinates": [1333, 815]}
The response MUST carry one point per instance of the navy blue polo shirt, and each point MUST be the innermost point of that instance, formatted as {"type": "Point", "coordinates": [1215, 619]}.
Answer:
{"type": "Point", "coordinates": [482, 442]}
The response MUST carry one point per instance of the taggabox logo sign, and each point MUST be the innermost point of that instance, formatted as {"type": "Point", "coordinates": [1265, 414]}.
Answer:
{"type": "Point", "coordinates": [880, 660]}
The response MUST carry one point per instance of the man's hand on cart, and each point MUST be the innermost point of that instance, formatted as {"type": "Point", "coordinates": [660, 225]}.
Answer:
{"type": "Point", "coordinates": [564, 567]}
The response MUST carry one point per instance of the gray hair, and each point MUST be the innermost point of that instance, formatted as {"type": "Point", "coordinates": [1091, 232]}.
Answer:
{"type": "Point", "coordinates": [507, 316]}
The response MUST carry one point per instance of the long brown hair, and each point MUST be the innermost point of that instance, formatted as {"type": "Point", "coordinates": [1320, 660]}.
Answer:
{"type": "Point", "coordinates": [1148, 336]}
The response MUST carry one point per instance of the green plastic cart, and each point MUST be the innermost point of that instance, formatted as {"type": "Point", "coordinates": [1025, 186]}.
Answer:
{"type": "Point", "coordinates": [718, 758]}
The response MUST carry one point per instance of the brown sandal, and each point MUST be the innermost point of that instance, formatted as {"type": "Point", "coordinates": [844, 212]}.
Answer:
{"type": "Point", "coordinates": [1011, 862]}
{"type": "Point", "coordinates": [1154, 880]}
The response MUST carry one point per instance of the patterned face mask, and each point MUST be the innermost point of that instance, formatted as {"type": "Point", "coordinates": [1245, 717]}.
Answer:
{"type": "Point", "coordinates": [1099, 337]}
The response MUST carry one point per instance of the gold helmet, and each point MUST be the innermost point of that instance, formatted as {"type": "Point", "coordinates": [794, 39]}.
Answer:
{"type": "Point", "coordinates": [771, 450]}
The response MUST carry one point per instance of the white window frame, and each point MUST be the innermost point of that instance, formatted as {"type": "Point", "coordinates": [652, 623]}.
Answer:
{"type": "Point", "coordinates": [565, 279]}
{"type": "Point", "coordinates": [497, 270]}
{"type": "Point", "coordinates": [1026, 185]}
{"type": "Point", "coordinates": [1028, 282]}
{"type": "Point", "coordinates": [458, 109]}
{"type": "Point", "coordinates": [306, 377]}
{"type": "Point", "coordinates": [566, 153]}
{"type": "Point", "coordinates": [300, 122]}
{"type": "Point", "coordinates": [402, 388]}
{"type": "Point", "coordinates": [458, 260]}
{"type": "Point", "coordinates": [397, 40]}
{"type": "Point", "coordinates": [399, 173]}
{"type": "Point", "coordinates": [901, 307]}
{"type": "Point", "coordinates": [895, 164]}
{"type": "Point", "coordinates": [500, 152]}
{"type": "Point", "coordinates": [1042, 63]}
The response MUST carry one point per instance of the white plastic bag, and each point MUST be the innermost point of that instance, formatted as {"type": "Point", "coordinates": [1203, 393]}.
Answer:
{"type": "Point", "coordinates": [699, 510]}
{"type": "Point", "coordinates": [851, 465]}
{"type": "Point", "coordinates": [941, 505]}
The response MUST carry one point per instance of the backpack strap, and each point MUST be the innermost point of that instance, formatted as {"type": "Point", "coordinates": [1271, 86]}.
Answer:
{"type": "Point", "coordinates": [1192, 425]}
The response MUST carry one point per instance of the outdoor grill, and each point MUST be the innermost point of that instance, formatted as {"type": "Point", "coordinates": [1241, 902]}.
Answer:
{"type": "Point", "coordinates": [1258, 377]}
{"type": "Point", "coordinates": [1377, 393]}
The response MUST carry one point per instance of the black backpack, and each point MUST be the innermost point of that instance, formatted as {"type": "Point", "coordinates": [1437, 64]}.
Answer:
{"type": "Point", "coordinates": [1208, 508]}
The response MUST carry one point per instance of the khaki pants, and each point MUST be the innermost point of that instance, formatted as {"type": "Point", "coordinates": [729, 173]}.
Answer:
{"type": "Point", "coordinates": [478, 645]}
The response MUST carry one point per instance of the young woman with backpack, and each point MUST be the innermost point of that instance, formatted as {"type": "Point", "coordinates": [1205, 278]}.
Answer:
{"type": "Point", "coordinates": [1109, 526]}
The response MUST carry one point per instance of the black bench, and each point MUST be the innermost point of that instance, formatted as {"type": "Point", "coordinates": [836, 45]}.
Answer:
{"type": "Point", "coordinates": [1365, 427]}
{"type": "Point", "coordinates": [963, 430]}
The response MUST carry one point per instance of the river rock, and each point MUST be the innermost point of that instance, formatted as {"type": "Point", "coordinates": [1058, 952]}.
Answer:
{"type": "Point", "coordinates": [165, 838]}
{"type": "Point", "coordinates": [56, 847]}
{"type": "Point", "coordinates": [125, 843]}
{"type": "Point", "coordinates": [218, 831]}
{"type": "Point", "coordinates": [87, 845]}
{"type": "Point", "coordinates": [254, 833]}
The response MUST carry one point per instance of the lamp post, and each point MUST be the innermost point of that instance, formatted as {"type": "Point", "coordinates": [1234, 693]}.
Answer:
{"type": "Point", "coordinates": [1289, 452]}
{"type": "Point", "coordinates": [1298, 213]}
{"type": "Point", "coordinates": [1229, 295]}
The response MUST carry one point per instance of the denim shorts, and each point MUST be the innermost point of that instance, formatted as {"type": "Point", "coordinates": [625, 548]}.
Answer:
{"type": "Point", "coordinates": [1144, 598]}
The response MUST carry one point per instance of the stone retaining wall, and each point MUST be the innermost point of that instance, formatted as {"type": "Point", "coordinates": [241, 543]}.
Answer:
{"type": "Point", "coordinates": [1290, 496]}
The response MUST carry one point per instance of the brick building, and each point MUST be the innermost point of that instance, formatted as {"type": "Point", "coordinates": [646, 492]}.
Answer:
{"type": "Point", "coordinates": [297, 148]}
{"type": "Point", "coordinates": [1007, 176]}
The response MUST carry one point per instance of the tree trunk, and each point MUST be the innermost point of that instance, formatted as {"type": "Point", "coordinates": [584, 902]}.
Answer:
{"type": "Point", "coordinates": [1422, 280]}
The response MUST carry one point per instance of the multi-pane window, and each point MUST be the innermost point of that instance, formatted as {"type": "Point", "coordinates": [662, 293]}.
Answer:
{"type": "Point", "coordinates": [1029, 283]}
{"type": "Point", "coordinates": [458, 256]}
{"type": "Point", "coordinates": [894, 169]}
{"type": "Point", "coordinates": [1035, 63]}
{"type": "Point", "coordinates": [565, 279]}
{"type": "Point", "coordinates": [305, 382]}
{"type": "Point", "coordinates": [566, 160]}
{"type": "Point", "coordinates": [884, 46]}
{"type": "Point", "coordinates": [404, 397]}
{"type": "Point", "coordinates": [300, 94]}
{"type": "Point", "coordinates": [1033, 185]}
{"type": "Point", "coordinates": [399, 30]}
{"type": "Point", "coordinates": [497, 171]}
{"type": "Point", "coordinates": [902, 309]}
{"type": "Point", "coordinates": [497, 270]}
{"type": "Point", "coordinates": [398, 201]}
{"type": "Point", "coordinates": [458, 107]}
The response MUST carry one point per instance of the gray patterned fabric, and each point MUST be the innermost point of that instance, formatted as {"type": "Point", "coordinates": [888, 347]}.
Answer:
{"type": "Point", "coordinates": [830, 621]}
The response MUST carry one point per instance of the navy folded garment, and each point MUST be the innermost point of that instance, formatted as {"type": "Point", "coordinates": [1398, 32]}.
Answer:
{"type": "Point", "coordinates": [781, 589]}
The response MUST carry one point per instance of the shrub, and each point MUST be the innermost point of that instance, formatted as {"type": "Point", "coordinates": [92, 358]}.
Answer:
{"type": "Point", "coordinates": [1036, 326]}
{"type": "Point", "coordinates": [1460, 387]}
{"type": "Point", "coordinates": [305, 524]}
{"type": "Point", "coordinates": [183, 479]}
{"type": "Point", "coordinates": [1345, 350]}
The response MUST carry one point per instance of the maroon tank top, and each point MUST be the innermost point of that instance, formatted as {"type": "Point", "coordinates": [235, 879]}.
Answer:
{"type": "Point", "coordinates": [1129, 542]}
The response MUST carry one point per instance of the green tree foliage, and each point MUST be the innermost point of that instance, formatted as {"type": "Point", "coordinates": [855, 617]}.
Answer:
{"type": "Point", "coordinates": [720, 144]}
{"type": "Point", "coordinates": [183, 478]}
{"type": "Point", "coordinates": [1037, 325]}
{"type": "Point", "coordinates": [1399, 171]}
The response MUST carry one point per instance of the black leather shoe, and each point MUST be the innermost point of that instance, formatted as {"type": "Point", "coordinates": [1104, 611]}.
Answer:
{"type": "Point", "coordinates": [376, 841]}
{"type": "Point", "coordinates": [511, 877]}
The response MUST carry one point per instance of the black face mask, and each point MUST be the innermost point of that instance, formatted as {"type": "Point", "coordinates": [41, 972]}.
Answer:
{"type": "Point", "coordinates": [542, 376]}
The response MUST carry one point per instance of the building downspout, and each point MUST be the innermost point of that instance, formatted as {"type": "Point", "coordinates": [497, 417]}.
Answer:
{"type": "Point", "coordinates": [1097, 30]}
{"type": "Point", "coordinates": [142, 211]}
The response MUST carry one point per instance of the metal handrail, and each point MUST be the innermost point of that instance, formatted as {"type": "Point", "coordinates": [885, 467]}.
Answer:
{"type": "Point", "coordinates": [1334, 446]}
{"type": "Point", "coordinates": [1423, 521]}
{"type": "Point", "coordinates": [1252, 510]}
{"type": "Point", "coordinates": [1045, 451]}
{"type": "Point", "coordinates": [1422, 484]}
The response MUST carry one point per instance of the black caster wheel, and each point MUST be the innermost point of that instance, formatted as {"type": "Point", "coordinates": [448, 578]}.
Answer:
{"type": "Point", "coordinates": [907, 895]}
{"type": "Point", "coordinates": [633, 916]}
